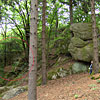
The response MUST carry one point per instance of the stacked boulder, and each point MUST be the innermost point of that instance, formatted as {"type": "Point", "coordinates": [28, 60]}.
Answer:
{"type": "Point", "coordinates": [81, 45]}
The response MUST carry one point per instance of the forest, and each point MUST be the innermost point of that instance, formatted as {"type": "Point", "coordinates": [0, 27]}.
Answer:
{"type": "Point", "coordinates": [49, 49]}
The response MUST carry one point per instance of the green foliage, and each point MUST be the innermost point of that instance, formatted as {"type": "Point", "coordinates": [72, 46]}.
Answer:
{"type": "Point", "coordinates": [57, 73]}
{"type": "Point", "coordinates": [75, 96]}
{"type": "Point", "coordinates": [3, 90]}
{"type": "Point", "coordinates": [11, 49]}
{"type": "Point", "coordinates": [92, 85]}
{"type": "Point", "coordinates": [17, 13]}
{"type": "Point", "coordinates": [94, 88]}
{"type": "Point", "coordinates": [2, 82]}
{"type": "Point", "coordinates": [39, 81]}
{"type": "Point", "coordinates": [95, 78]}
{"type": "Point", "coordinates": [61, 42]}
{"type": "Point", "coordinates": [17, 83]}
{"type": "Point", "coordinates": [52, 73]}
{"type": "Point", "coordinates": [98, 81]}
{"type": "Point", "coordinates": [62, 60]}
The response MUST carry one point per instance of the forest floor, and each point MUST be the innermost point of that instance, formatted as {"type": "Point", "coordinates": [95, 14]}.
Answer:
{"type": "Point", "coordinates": [73, 87]}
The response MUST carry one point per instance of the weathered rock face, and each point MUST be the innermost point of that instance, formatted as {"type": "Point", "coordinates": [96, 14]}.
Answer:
{"type": "Point", "coordinates": [81, 45]}
{"type": "Point", "coordinates": [82, 30]}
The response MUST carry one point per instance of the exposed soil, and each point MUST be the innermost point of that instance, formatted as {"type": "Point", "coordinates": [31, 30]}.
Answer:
{"type": "Point", "coordinates": [77, 85]}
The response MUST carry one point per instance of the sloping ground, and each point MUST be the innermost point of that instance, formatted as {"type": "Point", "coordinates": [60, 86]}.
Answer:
{"type": "Point", "coordinates": [77, 85]}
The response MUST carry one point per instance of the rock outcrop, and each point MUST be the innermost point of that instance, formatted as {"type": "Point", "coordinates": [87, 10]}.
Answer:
{"type": "Point", "coordinates": [81, 45]}
{"type": "Point", "coordinates": [13, 92]}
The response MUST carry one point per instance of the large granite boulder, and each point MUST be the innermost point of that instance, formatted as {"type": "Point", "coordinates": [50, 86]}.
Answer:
{"type": "Point", "coordinates": [81, 45]}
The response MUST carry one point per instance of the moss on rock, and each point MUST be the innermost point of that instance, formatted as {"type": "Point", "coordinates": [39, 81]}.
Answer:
{"type": "Point", "coordinates": [81, 45]}
{"type": "Point", "coordinates": [77, 42]}
{"type": "Point", "coordinates": [82, 54]}
{"type": "Point", "coordinates": [82, 30]}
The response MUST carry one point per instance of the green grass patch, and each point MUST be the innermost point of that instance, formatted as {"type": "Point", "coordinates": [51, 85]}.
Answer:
{"type": "Point", "coordinates": [76, 96]}
{"type": "Point", "coordinates": [92, 85]}
{"type": "Point", "coordinates": [98, 81]}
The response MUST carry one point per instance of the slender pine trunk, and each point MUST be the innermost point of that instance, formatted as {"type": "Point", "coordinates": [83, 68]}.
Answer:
{"type": "Point", "coordinates": [44, 73]}
{"type": "Point", "coordinates": [95, 42]}
{"type": "Point", "coordinates": [71, 15]}
{"type": "Point", "coordinates": [32, 86]}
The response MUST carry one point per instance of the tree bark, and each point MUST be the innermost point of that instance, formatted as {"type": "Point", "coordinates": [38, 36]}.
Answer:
{"type": "Point", "coordinates": [95, 42]}
{"type": "Point", "coordinates": [56, 16]}
{"type": "Point", "coordinates": [27, 32]}
{"type": "Point", "coordinates": [56, 22]}
{"type": "Point", "coordinates": [44, 73]}
{"type": "Point", "coordinates": [71, 15]}
{"type": "Point", "coordinates": [71, 12]}
{"type": "Point", "coordinates": [32, 90]}
{"type": "Point", "coordinates": [5, 32]}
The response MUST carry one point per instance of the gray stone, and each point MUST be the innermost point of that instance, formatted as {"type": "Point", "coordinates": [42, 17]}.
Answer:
{"type": "Point", "coordinates": [5, 88]}
{"type": "Point", "coordinates": [13, 92]}
{"type": "Point", "coordinates": [79, 67]}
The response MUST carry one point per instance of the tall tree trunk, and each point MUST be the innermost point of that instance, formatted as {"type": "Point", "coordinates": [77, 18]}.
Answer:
{"type": "Point", "coordinates": [44, 74]}
{"type": "Point", "coordinates": [71, 15]}
{"type": "Point", "coordinates": [32, 90]}
{"type": "Point", "coordinates": [56, 19]}
{"type": "Point", "coordinates": [27, 40]}
{"type": "Point", "coordinates": [27, 28]}
{"type": "Point", "coordinates": [5, 32]}
{"type": "Point", "coordinates": [95, 42]}
{"type": "Point", "coordinates": [56, 23]}
{"type": "Point", "coordinates": [71, 12]}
